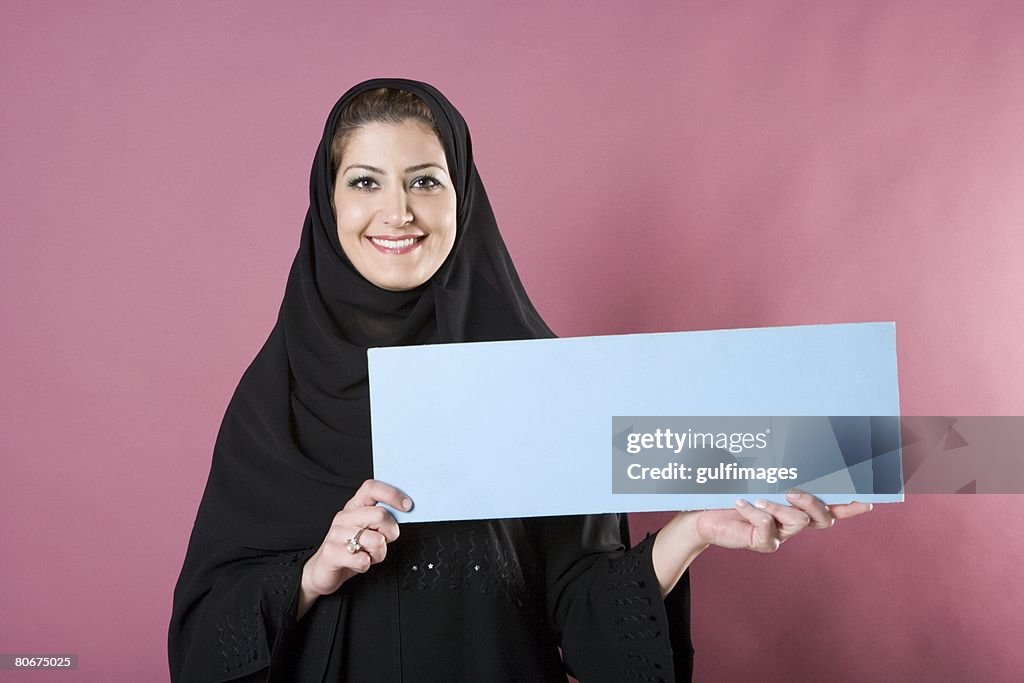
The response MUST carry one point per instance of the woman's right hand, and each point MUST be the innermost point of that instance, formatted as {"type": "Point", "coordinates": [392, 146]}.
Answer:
{"type": "Point", "coordinates": [332, 564]}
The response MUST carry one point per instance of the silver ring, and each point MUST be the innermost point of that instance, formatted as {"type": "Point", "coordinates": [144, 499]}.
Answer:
{"type": "Point", "coordinates": [352, 545]}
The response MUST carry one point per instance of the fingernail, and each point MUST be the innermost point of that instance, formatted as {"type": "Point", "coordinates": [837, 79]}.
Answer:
{"type": "Point", "coordinates": [741, 503]}
{"type": "Point", "coordinates": [761, 504]}
{"type": "Point", "coordinates": [406, 504]}
{"type": "Point", "coordinates": [871, 506]}
{"type": "Point", "coordinates": [792, 495]}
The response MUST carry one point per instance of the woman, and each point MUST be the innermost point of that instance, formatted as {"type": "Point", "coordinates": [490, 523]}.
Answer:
{"type": "Point", "coordinates": [294, 571]}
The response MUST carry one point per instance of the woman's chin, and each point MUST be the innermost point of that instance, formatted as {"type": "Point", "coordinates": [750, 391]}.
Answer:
{"type": "Point", "coordinates": [398, 282]}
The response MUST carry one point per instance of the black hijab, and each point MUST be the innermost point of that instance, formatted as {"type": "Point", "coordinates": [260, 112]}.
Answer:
{"type": "Point", "coordinates": [294, 444]}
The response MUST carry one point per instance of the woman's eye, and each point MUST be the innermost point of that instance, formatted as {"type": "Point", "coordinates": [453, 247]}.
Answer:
{"type": "Point", "coordinates": [426, 183]}
{"type": "Point", "coordinates": [362, 183]}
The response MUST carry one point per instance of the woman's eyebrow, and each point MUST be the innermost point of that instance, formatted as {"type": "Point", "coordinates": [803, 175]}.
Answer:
{"type": "Point", "coordinates": [374, 169]}
{"type": "Point", "coordinates": [420, 167]}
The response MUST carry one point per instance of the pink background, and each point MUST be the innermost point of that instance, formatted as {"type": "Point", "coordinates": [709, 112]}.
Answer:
{"type": "Point", "coordinates": [730, 164]}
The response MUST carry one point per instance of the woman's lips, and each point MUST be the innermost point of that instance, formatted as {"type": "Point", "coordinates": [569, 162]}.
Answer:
{"type": "Point", "coordinates": [395, 246]}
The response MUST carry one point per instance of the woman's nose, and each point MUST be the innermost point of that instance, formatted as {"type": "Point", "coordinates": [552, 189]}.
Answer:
{"type": "Point", "coordinates": [396, 209]}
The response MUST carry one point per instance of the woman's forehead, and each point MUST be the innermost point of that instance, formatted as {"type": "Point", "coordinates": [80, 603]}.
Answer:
{"type": "Point", "coordinates": [394, 143]}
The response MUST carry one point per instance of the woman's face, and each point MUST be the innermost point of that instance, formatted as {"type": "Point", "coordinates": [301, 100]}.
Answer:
{"type": "Point", "coordinates": [395, 204]}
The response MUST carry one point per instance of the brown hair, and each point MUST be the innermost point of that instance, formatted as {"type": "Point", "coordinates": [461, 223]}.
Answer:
{"type": "Point", "coordinates": [380, 105]}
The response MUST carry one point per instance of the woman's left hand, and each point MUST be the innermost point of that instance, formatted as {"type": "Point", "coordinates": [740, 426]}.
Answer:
{"type": "Point", "coordinates": [761, 527]}
{"type": "Point", "coordinates": [764, 526]}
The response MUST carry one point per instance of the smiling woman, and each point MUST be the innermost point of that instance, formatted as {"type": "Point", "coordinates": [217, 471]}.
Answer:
{"type": "Point", "coordinates": [296, 570]}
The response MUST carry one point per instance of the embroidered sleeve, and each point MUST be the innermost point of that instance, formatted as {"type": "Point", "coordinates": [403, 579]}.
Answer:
{"type": "Point", "coordinates": [605, 604]}
{"type": "Point", "coordinates": [231, 608]}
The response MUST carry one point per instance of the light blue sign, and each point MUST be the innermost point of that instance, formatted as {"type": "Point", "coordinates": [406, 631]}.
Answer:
{"type": "Point", "coordinates": [524, 428]}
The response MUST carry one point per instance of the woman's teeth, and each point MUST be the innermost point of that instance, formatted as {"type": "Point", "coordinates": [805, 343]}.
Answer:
{"type": "Point", "coordinates": [394, 244]}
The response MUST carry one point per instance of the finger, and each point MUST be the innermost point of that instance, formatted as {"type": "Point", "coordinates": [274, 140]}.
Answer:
{"type": "Point", "coordinates": [789, 520]}
{"type": "Point", "coordinates": [373, 492]}
{"type": "Point", "coordinates": [848, 510]}
{"type": "Point", "coordinates": [821, 516]}
{"type": "Point", "coordinates": [347, 523]}
{"type": "Point", "coordinates": [360, 562]}
{"type": "Point", "coordinates": [375, 545]}
{"type": "Point", "coordinates": [336, 555]}
{"type": "Point", "coordinates": [764, 535]}
{"type": "Point", "coordinates": [357, 551]}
